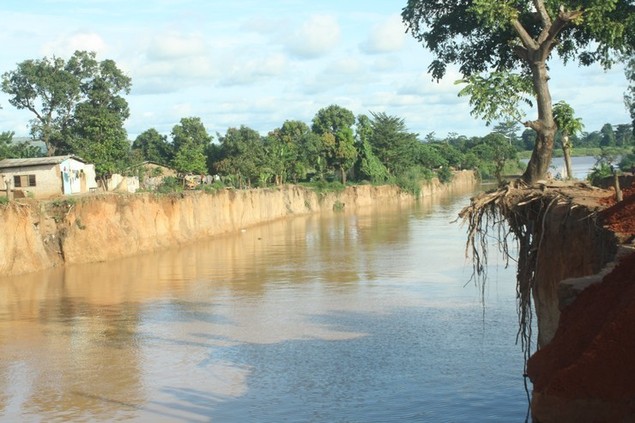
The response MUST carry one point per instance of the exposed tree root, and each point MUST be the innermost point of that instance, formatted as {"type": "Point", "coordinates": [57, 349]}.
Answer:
{"type": "Point", "coordinates": [514, 213]}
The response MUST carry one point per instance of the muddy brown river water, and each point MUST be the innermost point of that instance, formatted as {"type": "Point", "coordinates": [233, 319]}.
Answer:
{"type": "Point", "coordinates": [348, 318]}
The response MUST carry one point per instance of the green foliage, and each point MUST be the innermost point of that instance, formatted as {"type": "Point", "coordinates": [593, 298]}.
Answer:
{"type": "Point", "coordinates": [97, 134]}
{"type": "Point", "coordinates": [154, 147]}
{"type": "Point", "coordinates": [600, 171]}
{"type": "Point", "coordinates": [4, 201]}
{"type": "Point", "coordinates": [333, 124]}
{"type": "Point", "coordinates": [495, 14]}
{"type": "Point", "coordinates": [211, 188]}
{"type": "Point", "coordinates": [292, 148]}
{"type": "Point", "coordinates": [170, 184]}
{"type": "Point", "coordinates": [65, 95]}
{"type": "Point", "coordinates": [370, 167]}
{"type": "Point", "coordinates": [190, 159]}
{"type": "Point", "coordinates": [627, 164]}
{"type": "Point", "coordinates": [478, 35]}
{"type": "Point", "coordinates": [11, 149]}
{"type": "Point", "coordinates": [629, 96]}
{"type": "Point", "coordinates": [428, 156]}
{"type": "Point", "coordinates": [190, 141]}
{"type": "Point", "coordinates": [241, 156]}
{"type": "Point", "coordinates": [498, 95]}
{"type": "Point", "coordinates": [608, 136]}
{"type": "Point", "coordinates": [332, 119]}
{"type": "Point", "coordinates": [564, 115]}
{"type": "Point", "coordinates": [191, 132]}
{"type": "Point", "coordinates": [494, 152]}
{"type": "Point", "coordinates": [411, 179]}
{"type": "Point", "coordinates": [450, 156]}
{"type": "Point", "coordinates": [502, 45]}
{"type": "Point", "coordinates": [395, 147]}
{"type": "Point", "coordinates": [323, 187]}
{"type": "Point", "coordinates": [445, 175]}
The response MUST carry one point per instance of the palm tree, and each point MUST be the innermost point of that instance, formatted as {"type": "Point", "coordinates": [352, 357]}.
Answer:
{"type": "Point", "coordinates": [563, 115]}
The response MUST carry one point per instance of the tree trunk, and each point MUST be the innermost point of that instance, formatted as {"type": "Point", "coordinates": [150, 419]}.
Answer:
{"type": "Point", "coordinates": [566, 150]}
{"type": "Point", "coordinates": [545, 126]}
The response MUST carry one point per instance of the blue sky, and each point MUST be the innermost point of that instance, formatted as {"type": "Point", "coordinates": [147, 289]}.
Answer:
{"type": "Point", "coordinates": [257, 63]}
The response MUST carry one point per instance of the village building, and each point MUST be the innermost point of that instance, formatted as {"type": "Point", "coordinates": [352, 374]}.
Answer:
{"type": "Point", "coordinates": [46, 177]}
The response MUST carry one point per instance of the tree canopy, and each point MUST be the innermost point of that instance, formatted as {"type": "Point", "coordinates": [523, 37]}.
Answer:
{"type": "Point", "coordinates": [53, 90]}
{"type": "Point", "coordinates": [505, 38]}
{"type": "Point", "coordinates": [154, 147]}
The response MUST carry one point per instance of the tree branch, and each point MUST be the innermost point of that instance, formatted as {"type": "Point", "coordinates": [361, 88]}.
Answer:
{"type": "Point", "coordinates": [542, 11]}
{"type": "Point", "coordinates": [548, 34]}
{"type": "Point", "coordinates": [524, 36]}
{"type": "Point", "coordinates": [536, 125]}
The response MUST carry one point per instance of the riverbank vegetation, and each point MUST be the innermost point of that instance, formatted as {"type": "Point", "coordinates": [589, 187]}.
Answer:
{"type": "Point", "coordinates": [80, 109]}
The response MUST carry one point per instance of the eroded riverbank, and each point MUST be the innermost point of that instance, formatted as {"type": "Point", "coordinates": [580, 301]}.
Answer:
{"type": "Point", "coordinates": [43, 235]}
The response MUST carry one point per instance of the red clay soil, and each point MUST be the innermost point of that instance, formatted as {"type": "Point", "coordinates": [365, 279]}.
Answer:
{"type": "Point", "coordinates": [592, 355]}
{"type": "Point", "coordinates": [620, 217]}
{"type": "Point", "coordinates": [593, 352]}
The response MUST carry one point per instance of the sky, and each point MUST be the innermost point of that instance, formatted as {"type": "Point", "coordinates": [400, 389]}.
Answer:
{"type": "Point", "coordinates": [259, 63]}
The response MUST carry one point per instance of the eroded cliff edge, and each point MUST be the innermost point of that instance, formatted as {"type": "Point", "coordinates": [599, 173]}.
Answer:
{"type": "Point", "coordinates": [576, 270]}
{"type": "Point", "coordinates": [584, 371]}
{"type": "Point", "coordinates": [42, 235]}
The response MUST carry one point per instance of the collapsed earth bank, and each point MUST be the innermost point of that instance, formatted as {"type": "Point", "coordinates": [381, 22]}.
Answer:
{"type": "Point", "coordinates": [585, 370]}
{"type": "Point", "coordinates": [41, 235]}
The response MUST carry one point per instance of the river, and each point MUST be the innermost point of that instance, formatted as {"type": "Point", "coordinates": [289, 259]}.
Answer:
{"type": "Point", "coordinates": [361, 317]}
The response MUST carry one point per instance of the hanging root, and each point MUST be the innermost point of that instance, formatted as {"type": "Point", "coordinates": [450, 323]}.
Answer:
{"type": "Point", "coordinates": [511, 213]}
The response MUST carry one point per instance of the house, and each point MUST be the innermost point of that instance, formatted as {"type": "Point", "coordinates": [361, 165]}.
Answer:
{"type": "Point", "coordinates": [45, 177]}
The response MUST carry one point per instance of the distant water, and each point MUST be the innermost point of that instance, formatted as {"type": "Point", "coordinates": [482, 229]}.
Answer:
{"type": "Point", "coordinates": [581, 166]}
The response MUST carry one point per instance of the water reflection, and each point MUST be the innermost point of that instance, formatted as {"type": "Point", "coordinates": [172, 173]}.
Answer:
{"type": "Point", "coordinates": [351, 317]}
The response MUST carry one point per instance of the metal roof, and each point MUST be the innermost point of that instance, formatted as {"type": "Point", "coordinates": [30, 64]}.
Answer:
{"type": "Point", "coordinates": [36, 161]}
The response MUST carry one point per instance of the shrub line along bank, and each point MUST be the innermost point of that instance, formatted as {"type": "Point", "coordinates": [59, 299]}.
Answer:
{"type": "Point", "coordinates": [98, 228]}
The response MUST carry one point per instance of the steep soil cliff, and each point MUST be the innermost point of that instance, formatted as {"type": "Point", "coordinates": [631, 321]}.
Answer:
{"type": "Point", "coordinates": [41, 235]}
{"type": "Point", "coordinates": [585, 374]}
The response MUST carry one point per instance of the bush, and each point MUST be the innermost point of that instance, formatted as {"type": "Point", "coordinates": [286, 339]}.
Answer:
{"type": "Point", "coordinates": [211, 188]}
{"type": "Point", "coordinates": [411, 180]}
{"type": "Point", "coordinates": [169, 185]}
{"type": "Point", "coordinates": [445, 175]}
{"type": "Point", "coordinates": [324, 187]}
{"type": "Point", "coordinates": [600, 171]}
{"type": "Point", "coordinates": [627, 164]}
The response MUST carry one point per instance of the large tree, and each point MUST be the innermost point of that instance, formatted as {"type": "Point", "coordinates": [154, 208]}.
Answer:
{"type": "Point", "coordinates": [190, 140]}
{"type": "Point", "coordinates": [498, 37]}
{"type": "Point", "coordinates": [241, 156]}
{"type": "Point", "coordinates": [334, 124]}
{"type": "Point", "coordinates": [96, 131]}
{"type": "Point", "coordinates": [52, 88]}
{"type": "Point", "coordinates": [368, 165]}
{"type": "Point", "coordinates": [397, 148]}
{"type": "Point", "coordinates": [154, 147]}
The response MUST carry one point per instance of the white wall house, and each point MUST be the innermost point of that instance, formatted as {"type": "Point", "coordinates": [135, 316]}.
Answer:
{"type": "Point", "coordinates": [45, 177]}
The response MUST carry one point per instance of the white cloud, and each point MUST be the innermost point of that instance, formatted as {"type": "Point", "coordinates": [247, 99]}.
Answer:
{"type": "Point", "coordinates": [250, 70]}
{"type": "Point", "coordinates": [386, 37]}
{"type": "Point", "coordinates": [176, 46]}
{"type": "Point", "coordinates": [316, 37]}
{"type": "Point", "coordinates": [67, 44]}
